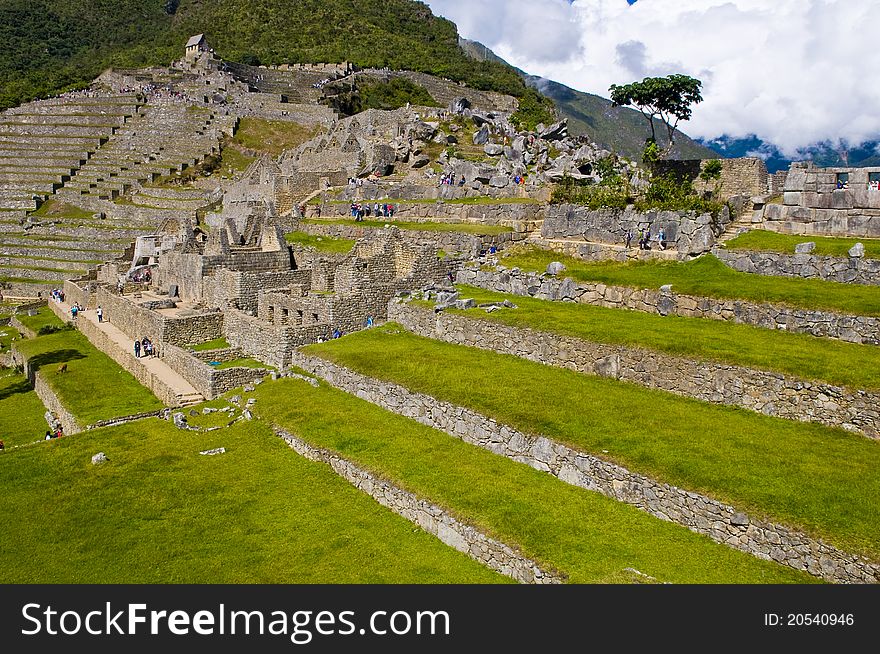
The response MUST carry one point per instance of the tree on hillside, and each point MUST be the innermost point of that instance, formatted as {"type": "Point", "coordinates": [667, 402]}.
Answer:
{"type": "Point", "coordinates": [668, 98]}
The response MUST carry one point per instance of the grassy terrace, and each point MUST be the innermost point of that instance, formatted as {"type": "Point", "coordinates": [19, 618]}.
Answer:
{"type": "Point", "coordinates": [215, 344]}
{"type": "Point", "coordinates": [464, 228]}
{"type": "Point", "coordinates": [329, 244]}
{"type": "Point", "coordinates": [159, 512]}
{"type": "Point", "coordinates": [243, 362]}
{"type": "Point", "coordinates": [58, 209]}
{"type": "Point", "coordinates": [21, 412]}
{"type": "Point", "coordinates": [43, 318]}
{"type": "Point", "coordinates": [53, 248]}
{"type": "Point", "coordinates": [585, 535]}
{"type": "Point", "coordinates": [822, 480]}
{"type": "Point", "coordinates": [801, 355]}
{"type": "Point", "coordinates": [94, 387]}
{"type": "Point", "coordinates": [29, 257]}
{"type": "Point", "coordinates": [707, 276]}
{"type": "Point", "coordinates": [42, 268]}
{"type": "Point", "coordinates": [766, 241]}
{"type": "Point", "coordinates": [271, 136]}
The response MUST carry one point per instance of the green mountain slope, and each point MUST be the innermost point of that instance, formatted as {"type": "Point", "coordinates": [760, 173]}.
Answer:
{"type": "Point", "coordinates": [615, 128]}
{"type": "Point", "coordinates": [47, 45]}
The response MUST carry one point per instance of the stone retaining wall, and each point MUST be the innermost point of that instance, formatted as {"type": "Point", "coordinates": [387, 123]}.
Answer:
{"type": "Point", "coordinates": [430, 517]}
{"type": "Point", "coordinates": [846, 270]}
{"type": "Point", "coordinates": [770, 393]}
{"type": "Point", "coordinates": [855, 329]}
{"type": "Point", "coordinates": [508, 214]}
{"type": "Point", "coordinates": [206, 379]}
{"type": "Point", "coordinates": [469, 245]}
{"type": "Point", "coordinates": [721, 522]}
{"type": "Point", "coordinates": [44, 391]}
{"type": "Point", "coordinates": [685, 232]}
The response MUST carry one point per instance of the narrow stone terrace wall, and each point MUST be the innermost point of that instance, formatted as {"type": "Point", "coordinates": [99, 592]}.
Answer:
{"type": "Point", "coordinates": [846, 270]}
{"type": "Point", "coordinates": [855, 329]}
{"type": "Point", "coordinates": [770, 393]}
{"type": "Point", "coordinates": [430, 517]}
{"type": "Point", "coordinates": [701, 514]}
{"type": "Point", "coordinates": [206, 379]}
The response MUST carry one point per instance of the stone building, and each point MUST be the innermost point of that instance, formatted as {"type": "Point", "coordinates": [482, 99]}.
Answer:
{"type": "Point", "coordinates": [195, 46]}
{"type": "Point", "coordinates": [831, 201]}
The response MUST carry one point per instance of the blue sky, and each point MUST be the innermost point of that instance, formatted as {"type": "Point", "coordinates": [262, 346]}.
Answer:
{"type": "Point", "coordinates": [793, 72]}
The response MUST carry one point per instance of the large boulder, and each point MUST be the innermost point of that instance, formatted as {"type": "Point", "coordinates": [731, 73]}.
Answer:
{"type": "Point", "coordinates": [556, 131]}
{"type": "Point", "coordinates": [493, 149]}
{"type": "Point", "coordinates": [555, 267]}
{"type": "Point", "coordinates": [857, 251]}
{"type": "Point", "coordinates": [804, 248]}
{"type": "Point", "coordinates": [481, 136]}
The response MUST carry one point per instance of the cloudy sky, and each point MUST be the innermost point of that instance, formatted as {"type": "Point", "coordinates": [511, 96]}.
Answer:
{"type": "Point", "coordinates": [793, 72]}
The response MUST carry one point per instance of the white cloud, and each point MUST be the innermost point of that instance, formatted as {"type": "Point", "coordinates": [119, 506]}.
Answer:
{"type": "Point", "coordinates": [794, 72]}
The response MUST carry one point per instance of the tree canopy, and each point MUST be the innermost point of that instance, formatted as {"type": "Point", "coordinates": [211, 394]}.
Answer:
{"type": "Point", "coordinates": [668, 98]}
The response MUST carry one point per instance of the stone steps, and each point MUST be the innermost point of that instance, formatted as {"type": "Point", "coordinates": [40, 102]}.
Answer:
{"type": "Point", "coordinates": [189, 399]}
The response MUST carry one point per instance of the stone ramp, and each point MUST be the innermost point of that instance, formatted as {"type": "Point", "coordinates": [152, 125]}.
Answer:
{"type": "Point", "coordinates": [152, 372]}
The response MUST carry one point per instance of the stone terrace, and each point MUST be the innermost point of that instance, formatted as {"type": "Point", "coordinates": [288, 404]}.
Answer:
{"type": "Point", "coordinates": [42, 144]}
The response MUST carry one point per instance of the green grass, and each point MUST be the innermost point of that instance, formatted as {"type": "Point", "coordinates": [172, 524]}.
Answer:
{"type": "Point", "coordinates": [583, 534]}
{"type": "Point", "coordinates": [57, 209]}
{"type": "Point", "coordinates": [329, 244]}
{"type": "Point", "coordinates": [94, 387]}
{"type": "Point", "coordinates": [159, 512]}
{"type": "Point", "coordinates": [707, 276]}
{"type": "Point", "coordinates": [234, 161]}
{"type": "Point", "coordinates": [766, 241]}
{"type": "Point", "coordinates": [464, 228]}
{"type": "Point", "coordinates": [801, 355]}
{"type": "Point", "coordinates": [7, 335]}
{"type": "Point", "coordinates": [822, 480]}
{"type": "Point", "coordinates": [216, 344]}
{"type": "Point", "coordinates": [44, 318]}
{"type": "Point", "coordinates": [73, 273]}
{"type": "Point", "coordinates": [243, 362]}
{"type": "Point", "coordinates": [271, 136]}
{"type": "Point", "coordinates": [30, 257]}
{"type": "Point", "coordinates": [21, 412]}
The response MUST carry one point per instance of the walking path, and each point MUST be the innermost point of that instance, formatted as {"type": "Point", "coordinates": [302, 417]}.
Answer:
{"type": "Point", "coordinates": [122, 352]}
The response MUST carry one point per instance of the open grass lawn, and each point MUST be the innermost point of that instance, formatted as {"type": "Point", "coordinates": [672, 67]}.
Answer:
{"type": "Point", "coordinates": [159, 512]}
{"type": "Point", "coordinates": [585, 535]}
{"type": "Point", "coordinates": [822, 480]}
{"type": "Point", "coordinates": [766, 241]}
{"type": "Point", "coordinates": [7, 335]}
{"type": "Point", "coordinates": [94, 387]}
{"type": "Point", "coordinates": [21, 412]}
{"type": "Point", "coordinates": [707, 276]}
{"type": "Point", "coordinates": [464, 228]}
{"type": "Point", "coordinates": [271, 136]}
{"type": "Point", "coordinates": [801, 355]}
{"type": "Point", "coordinates": [233, 161]}
{"type": "Point", "coordinates": [329, 244]}
{"type": "Point", "coordinates": [215, 344]}
{"type": "Point", "coordinates": [44, 318]}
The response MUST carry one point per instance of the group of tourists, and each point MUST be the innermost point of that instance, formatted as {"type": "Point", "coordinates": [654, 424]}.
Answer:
{"type": "Point", "coordinates": [448, 179]}
{"type": "Point", "coordinates": [645, 238]}
{"type": "Point", "coordinates": [360, 211]}
{"type": "Point", "coordinates": [144, 347]}
{"type": "Point", "coordinates": [75, 310]}
{"type": "Point", "coordinates": [57, 294]}
{"type": "Point", "coordinates": [58, 433]}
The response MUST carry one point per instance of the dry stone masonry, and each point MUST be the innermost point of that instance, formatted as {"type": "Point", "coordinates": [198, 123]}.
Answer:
{"type": "Point", "coordinates": [720, 522]}
{"type": "Point", "coordinates": [430, 517]}
{"type": "Point", "coordinates": [845, 270]}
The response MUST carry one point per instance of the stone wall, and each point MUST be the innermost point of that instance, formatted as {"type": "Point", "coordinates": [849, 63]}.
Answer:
{"type": "Point", "coordinates": [467, 245]}
{"type": "Point", "coordinates": [272, 344]}
{"type": "Point", "coordinates": [53, 403]}
{"type": "Point", "coordinates": [206, 379]}
{"type": "Point", "coordinates": [430, 517]}
{"type": "Point", "coordinates": [686, 233]}
{"type": "Point", "coordinates": [742, 176]}
{"type": "Point", "coordinates": [854, 329]}
{"type": "Point", "coordinates": [770, 393]}
{"type": "Point", "coordinates": [849, 270]}
{"type": "Point", "coordinates": [720, 522]}
{"type": "Point", "coordinates": [814, 205]}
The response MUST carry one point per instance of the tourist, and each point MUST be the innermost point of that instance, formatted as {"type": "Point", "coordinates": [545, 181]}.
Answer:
{"type": "Point", "coordinates": [661, 239]}
{"type": "Point", "coordinates": [641, 239]}
{"type": "Point", "coordinates": [647, 239]}
{"type": "Point", "coordinates": [628, 237]}
{"type": "Point", "coordinates": [48, 436]}
{"type": "Point", "coordinates": [137, 349]}
{"type": "Point", "coordinates": [2, 446]}
{"type": "Point", "coordinates": [376, 209]}
{"type": "Point", "coordinates": [73, 311]}
{"type": "Point", "coordinates": [100, 313]}
{"type": "Point", "coordinates": [391, 211]}
{"type": "Point", "coordinates": [369, 322]}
